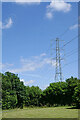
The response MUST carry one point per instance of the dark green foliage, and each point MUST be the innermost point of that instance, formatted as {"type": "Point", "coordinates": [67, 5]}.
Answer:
{"type": "Point", "coordinates": [16, 94]}
{"type": "Point", "coordinates": [9, 100]}
{"type": "Point", "coordinates": [62, 93]}
{"type": "Point", "coordinates": [76, 95]}
{"type": "Point", "coordinates": [72, 83]}
{"type": "Point", "coordinates": [55, 94]}
{"type": "Point", "coordinates": [13, 91]}
{"type": "Point", "coordinates": [33, 95]}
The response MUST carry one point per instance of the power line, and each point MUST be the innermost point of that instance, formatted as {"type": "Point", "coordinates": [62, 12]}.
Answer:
{"type": "Point", "coordinates": [72, 50]}
{"type": "Point", "coordinates": [70, 40]}
{"type": "Point", "coordinates": [70, 63]}
{"type": "Point", "coordinates": [64, 32]}
{"type": "Point", "coordinates": [72, 53]}
{"type": "Point", "coordinates": [67, 29]}
{"type": "Point", "coordinates": [65, 45]}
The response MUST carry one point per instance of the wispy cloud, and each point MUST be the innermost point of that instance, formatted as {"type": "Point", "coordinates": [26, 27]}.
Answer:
{"type": "Point", "coordinates": [43, 54]}
{"type": "Point", "coordinates": [49, 15]}
{"type": "Point", "coordinates": [21, 1]}
{"type": "Point", "coordinates": [32, 63]}
{"type": "Point", "coordinates": [5, 67]}
{"type": "Point", "coordinates": [7, 24]}
{"type": "Point", "coordinates": [30, 82]}
{"type": "Point", "coordinates": [74, 27]}
{"type": "Point", "coordinates": [59, 6]}
{"type": "Point", "coordinates": [28, 2]}
{"type": "Point", "coordinates": [27, 82]}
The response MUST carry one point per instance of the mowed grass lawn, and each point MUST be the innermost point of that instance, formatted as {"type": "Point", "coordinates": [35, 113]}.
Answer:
{"type": "Point", "coordinates": [49, 112]}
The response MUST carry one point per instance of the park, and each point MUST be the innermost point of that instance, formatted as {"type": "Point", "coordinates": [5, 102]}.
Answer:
{"type": "Point", "coordinates": [59, 100]}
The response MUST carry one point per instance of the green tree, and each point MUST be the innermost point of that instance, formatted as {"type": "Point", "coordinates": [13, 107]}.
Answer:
{"type": "Point", "coordinates": [72, 83]}
{"type": "Point", "coordinates": [16, 94]}
{"type": "Point", "coordinates": [76, 96]}
{"type": "Point", "coordinates": [34, 95]}
{"type": "Point", "coordinates": [13, 91]}
{"type": "Point", "coordinates": [55, 94]}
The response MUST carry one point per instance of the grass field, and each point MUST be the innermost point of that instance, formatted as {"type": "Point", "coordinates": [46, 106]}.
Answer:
{"type": "Point", "coordinates": [49, 112]}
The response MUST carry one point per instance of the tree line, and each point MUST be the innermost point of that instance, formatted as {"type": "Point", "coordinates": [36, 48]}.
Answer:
{"type": "Point", "coordinates": [16, 95]}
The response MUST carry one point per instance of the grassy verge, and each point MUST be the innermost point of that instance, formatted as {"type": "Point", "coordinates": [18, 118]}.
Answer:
{"type": "Point", "coordinates": [49, 112]}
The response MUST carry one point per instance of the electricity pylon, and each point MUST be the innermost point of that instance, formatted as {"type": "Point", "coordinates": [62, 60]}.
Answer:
{"type": "Point", "coordinates": [58, 68]}
{"type": "Point", "coordinates": [58, 73]}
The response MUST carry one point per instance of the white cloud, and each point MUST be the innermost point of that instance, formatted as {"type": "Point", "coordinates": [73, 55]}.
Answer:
{"type": "Point", "coordinates": [22, 80]}
{"type": "Point", "coordinates": [7, 24]}
{"type": "Point", "coordinates": [44, 87]}
{"type": "Point", "coordinates": [59, 6]}
{"type": "Point", "coordinates": [29, 2]}
{"type": "Point", "coordinates": [49, 15]}
{"type": "Point", "coordinates": [5, 67]}
{"type": "Point", "coordinates": [30, 82]}
{"type": "Point", "coordinates": [74, 27]}
{"type": "Point", "coordinates": [43, 54]}
{"type": "Point", "coordinates": [22, 1]}
{"type": "Point", "coordinates": [27, 82]}
{"type": "Point", "coordinates": [33, 63]}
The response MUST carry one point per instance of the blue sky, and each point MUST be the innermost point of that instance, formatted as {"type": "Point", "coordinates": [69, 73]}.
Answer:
{"type": "Point", "coordinates": [27, 33]}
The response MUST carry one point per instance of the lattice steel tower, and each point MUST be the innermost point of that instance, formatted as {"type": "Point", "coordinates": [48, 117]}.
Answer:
{"type": "Point", "coordinates": [58, 71]}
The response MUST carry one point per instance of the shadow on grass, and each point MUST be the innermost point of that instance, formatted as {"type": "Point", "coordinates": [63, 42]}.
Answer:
{"type": "Point", "coordinates": [73, 107]}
